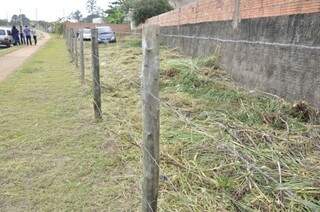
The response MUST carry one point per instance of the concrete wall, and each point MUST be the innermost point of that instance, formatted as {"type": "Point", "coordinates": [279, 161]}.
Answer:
{"type": "Point", "coordinates": [278, 52]}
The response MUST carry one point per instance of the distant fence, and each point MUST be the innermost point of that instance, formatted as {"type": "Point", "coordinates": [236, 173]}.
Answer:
{"type": "Point", "coordinates": [115, 27]}
{"type": "Point", "coordinates": [150, 99]}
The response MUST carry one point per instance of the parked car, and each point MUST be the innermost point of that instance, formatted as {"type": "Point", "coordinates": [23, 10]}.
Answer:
{"type": "Point", "coordinates": [5, 36]}
{"type": "Point", "coordinates": [106, 35]}
{"type": "Point", "coordinates": [87, 34]}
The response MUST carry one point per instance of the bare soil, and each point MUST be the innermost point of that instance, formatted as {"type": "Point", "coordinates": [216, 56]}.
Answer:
{"type": "Point", "coordinates": [12, 61]}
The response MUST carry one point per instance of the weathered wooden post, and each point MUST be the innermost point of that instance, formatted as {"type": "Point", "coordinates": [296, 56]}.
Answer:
{"type": "Point", "coordinates": [96, 75]}
{"type": "Point", "coordinates": [70, 42]}
{"type": "Point", "coordinates": [82, 71]}
{"type": "Point", "coordinates": [65, 35]}
{"type": "Point", "coordinates": [69, 39]}
{"type": "Point", "coordinates": [76, 54]}
{"type": "Point", "coordinates": [72, 45]}
{"type": "Point", "coordinates": [151, 117]}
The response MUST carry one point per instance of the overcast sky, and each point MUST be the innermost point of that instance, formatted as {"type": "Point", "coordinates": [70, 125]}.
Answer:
{"type": "Point", "coordinates": [49, 10]}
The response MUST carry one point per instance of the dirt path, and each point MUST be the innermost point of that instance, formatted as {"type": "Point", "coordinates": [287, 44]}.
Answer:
{"type": "Point", "coordinates": [12, 61]}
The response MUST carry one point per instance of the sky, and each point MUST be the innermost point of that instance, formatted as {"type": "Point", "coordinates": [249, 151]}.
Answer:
{"type": "Point", "coordinates": [48, 10]}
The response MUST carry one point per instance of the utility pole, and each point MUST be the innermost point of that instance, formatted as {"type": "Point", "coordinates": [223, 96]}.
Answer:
{"type": "Point", "coordinates": [8, 18]}
{"type": "Point", "coordinates": [37, 18]}
{"type": "Point", "coordinates": [20, 14]}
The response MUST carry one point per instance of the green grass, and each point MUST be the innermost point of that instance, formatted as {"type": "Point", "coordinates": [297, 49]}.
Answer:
{"type": "Point", "coordinates": [53, 156]}
{"type": "Point", "coordinates": [221, 146]}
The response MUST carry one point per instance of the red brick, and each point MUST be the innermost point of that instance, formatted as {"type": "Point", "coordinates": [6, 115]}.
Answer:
{"type": "Point", "coordinates": [220, 10]}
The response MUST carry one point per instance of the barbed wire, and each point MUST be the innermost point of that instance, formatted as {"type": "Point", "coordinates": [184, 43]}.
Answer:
{"type": "Point", "coordinates": [232, 41]}
{"type": "Point", "coordinates": [199, 129]}
{"type": "Point", "coordinates": [139, 145]}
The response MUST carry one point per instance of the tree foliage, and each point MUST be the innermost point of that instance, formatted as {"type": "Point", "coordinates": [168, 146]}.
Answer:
{"type": "Point", "coordinates": [117, 12]}
{"type": "Point", "coordinates": [76, 15]}
{"type": "Point", "coordinates": [17, 19]}
{"type": "Point", "coordinates": [90, 18]}
{"type": "Point", "coordinates": [4, 22]}
{"type": "Point", "coordinates": [58, 28]}
{"type": "Point", "coordinates": [144, 9]}
{"type": "Point", "coordinates": [115, 16]}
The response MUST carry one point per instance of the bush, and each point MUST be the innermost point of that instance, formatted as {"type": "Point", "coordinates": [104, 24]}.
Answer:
{"type": "Point", "coordinates": [58, 28]}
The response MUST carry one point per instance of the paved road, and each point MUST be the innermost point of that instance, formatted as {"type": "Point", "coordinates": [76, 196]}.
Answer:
{"type": "Point", "coordinates": [12, 61]}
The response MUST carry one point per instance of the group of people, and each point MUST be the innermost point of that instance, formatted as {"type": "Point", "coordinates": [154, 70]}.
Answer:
{"type": "Point", "coordinates": [23, 36]}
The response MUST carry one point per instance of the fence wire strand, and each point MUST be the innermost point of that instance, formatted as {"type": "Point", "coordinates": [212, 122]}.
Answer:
{"type": "Point", "coordinates": [193, 126]}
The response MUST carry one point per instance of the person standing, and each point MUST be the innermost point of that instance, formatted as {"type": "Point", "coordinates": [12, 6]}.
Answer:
{"type": "Point", "coordinates": [15, 35]}
{"type": "Point", "coordinates": [34, 34]}
{"type": "Point", "coordinates": [22, 37]}
{"type": "Point", "coordinates": [27, 33]}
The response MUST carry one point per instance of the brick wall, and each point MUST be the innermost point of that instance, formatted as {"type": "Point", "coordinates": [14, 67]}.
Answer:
{"type": "Point", "coordinates": [223, 10]}
{"type": "Point", "coordinates": [115, 27]}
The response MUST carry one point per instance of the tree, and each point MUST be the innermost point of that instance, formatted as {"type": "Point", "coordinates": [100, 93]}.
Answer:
{"type": "Point", "coordinates": [17, 19]}
{"type": "Point", "coordinates": [89, 18]}
{"type": "Point", "coordinates": [76, 15]}
{"type": "Point", "coordinates": [116, 16]}
{"type": "Point", "coordinates": [92, 7]}
{"type": "Point", "coordinates": [58, 27]}
{"type": "Point", "coordinates": [144, 9]}
{"type": "Point", "coordinates": [116, 13]}
{"type": "Point", "coordinates": [4, 22]}
{"type": "Point", "coordinates": [126, 5]}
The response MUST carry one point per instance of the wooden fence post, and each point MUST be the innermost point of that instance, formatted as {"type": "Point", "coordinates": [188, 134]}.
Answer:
{"type": "Point", "coordinates": [96, 75]}
{"type": "Point", "coordinates": [72, 45]}
{"type": "Point", "coordinates": [68, 39]}
{"type": "Point", "coordinates": [82, 71]}
{"type": "Point", "coordinates": [151, 117]}
{"type": "Point", "coordinates": [65, 34]}
{"type": "Point", "coordinates": [70, 42]}
{"type": "Point", "coordinates": [76, 55]}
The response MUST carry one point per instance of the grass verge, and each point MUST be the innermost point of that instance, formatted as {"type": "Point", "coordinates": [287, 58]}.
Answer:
{"type": "Point", "coordinates": [53, 156]}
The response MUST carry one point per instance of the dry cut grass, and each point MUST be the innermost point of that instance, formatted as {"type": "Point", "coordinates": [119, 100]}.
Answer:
{"type": "Point", "coordinates": [222, 147]}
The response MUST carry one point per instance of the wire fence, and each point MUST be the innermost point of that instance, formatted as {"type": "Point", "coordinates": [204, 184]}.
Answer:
{"type": "Point", "coordinates": [235, 145]}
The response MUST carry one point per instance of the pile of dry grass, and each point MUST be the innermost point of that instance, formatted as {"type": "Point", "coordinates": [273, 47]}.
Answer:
{"type": "Point", "coordinates": [222, 148]}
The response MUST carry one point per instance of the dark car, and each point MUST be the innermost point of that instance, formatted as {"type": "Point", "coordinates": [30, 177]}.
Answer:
{"type": "Point", "coordinates": [106, 35]}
